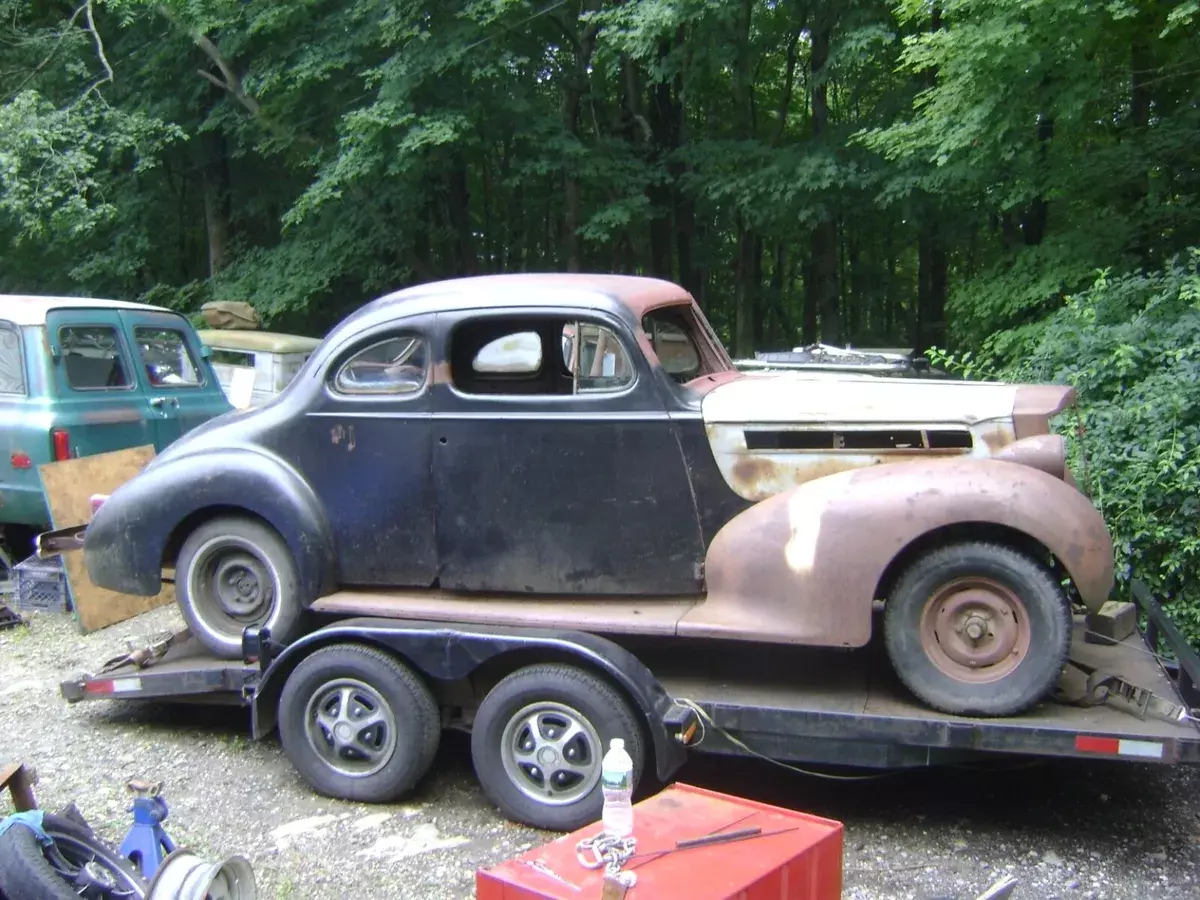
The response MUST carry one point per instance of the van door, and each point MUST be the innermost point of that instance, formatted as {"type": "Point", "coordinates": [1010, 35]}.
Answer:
{"type": "Point", "coordinates": [100, 404]}
{"type": "Point", "coordinates": [182, 390]}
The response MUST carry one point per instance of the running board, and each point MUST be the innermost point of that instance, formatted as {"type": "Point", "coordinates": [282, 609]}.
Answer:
{"type": "Point", "coordinates": [603, 615]}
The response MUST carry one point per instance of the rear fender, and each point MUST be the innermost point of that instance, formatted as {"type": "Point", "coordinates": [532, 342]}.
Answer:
{"type": "Point", "coordinates": [447, 654]}
{"type": "Point", "coordinates": [805, 565]}
{"type": "Point", "coordinates": [125, 544]}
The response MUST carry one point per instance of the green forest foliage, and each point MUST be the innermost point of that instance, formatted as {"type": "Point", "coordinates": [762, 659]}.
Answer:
{"type": "Point", "coordinates": [948, 173]}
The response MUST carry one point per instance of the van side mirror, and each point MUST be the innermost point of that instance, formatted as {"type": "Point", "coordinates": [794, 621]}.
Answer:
{"type": "Point", "coordinates": [206, 351]}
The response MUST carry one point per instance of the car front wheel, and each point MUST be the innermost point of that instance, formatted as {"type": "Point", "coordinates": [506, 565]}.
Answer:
{"type": "Point", "coordinates": [978, 629]}
{"type": "Point", "coordinates": [235, 572]}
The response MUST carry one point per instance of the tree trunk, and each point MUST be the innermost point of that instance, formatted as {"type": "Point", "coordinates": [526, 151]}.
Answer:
{"type": "Point", "coordinates": [216, 200]}
{"type": "Point", "coordinates": [744, 291]}
{"type": "Point", "coordinates": [824, 237]}
{"type": "Point", "coordinates": [576, 87]}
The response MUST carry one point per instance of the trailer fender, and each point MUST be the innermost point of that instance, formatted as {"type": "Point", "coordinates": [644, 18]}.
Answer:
{"type": "Point", "coordinates": [804, 566]}
{"type": "Point", "coordinates": [125, 543]}
{"type": "Point", "coordinates": [448, 653]}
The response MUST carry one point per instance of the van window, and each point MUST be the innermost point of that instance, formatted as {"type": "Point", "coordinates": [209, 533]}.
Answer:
{"type": "Point", "coordinates": [92, 358]}
{"type": "Point", "coordinates": [166, 357]}
{"type": "Point", "coordinates": [12, 372]}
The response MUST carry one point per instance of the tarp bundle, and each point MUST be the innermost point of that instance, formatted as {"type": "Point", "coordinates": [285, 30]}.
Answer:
{"type": "Point", "coordinates": [230, 314]}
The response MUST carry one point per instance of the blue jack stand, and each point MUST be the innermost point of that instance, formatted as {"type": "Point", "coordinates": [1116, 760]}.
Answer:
{"type": "Point", "coordinates": [147, 843]}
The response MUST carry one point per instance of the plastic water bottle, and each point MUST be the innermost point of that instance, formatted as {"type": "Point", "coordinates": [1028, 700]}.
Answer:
{"type": "Point", "coordinates": [616, 779]}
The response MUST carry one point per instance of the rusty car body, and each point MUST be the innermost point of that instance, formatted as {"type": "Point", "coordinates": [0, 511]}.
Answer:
{"type": "Point", "coordinates": [581, 450]}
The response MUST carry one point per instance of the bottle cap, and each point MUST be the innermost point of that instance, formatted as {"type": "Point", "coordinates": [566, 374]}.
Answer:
{"type": "Point", "coordinates": [616, 744]}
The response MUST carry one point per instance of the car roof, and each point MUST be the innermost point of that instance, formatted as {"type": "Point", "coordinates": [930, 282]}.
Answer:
{"type": "Point", "coordinates": [257, 341]}
{"type": "Point", "coordinates": [28, 309]}
{"type": "Point", "coordinates": [634, 292]}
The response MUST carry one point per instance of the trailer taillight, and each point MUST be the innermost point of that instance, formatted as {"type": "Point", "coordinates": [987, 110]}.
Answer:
{"type": "Point", "coordinates": [20, 460]}
{"type": "Point", "coordinates": [62, 444]}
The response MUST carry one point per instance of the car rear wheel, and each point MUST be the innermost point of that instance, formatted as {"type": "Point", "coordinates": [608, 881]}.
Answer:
{"type": "Point", "coordinates": [358, 724]}
{"type": "Point", "coordinates": [538, 739]}
{"type": "Point", "coordinates": [235, 572]}
{"type": "Point", "coordinates": [978, 629]}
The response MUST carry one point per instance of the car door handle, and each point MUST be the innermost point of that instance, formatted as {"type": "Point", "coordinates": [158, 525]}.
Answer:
{"type": "Point", "coordinates": [157, 402]}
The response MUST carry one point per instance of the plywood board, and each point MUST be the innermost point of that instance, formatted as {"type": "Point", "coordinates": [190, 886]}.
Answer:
{"type": "Point", "coordinates": [69, 485]}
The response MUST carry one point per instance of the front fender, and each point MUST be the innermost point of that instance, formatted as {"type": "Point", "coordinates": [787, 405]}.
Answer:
{"type": "Point", "coordinates": [125, 543]}
{"type": "Point", "coordinates": [805, 565]}
{"type": "Point", "coordinates": [450, 653]}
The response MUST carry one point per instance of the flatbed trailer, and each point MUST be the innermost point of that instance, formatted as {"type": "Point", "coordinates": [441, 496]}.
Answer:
{"type": "Point", "coordinates": [1126, 700]}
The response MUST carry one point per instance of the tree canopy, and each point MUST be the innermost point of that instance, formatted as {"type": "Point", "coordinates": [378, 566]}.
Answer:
{"type": "Point", "coordinates": [912, 173]}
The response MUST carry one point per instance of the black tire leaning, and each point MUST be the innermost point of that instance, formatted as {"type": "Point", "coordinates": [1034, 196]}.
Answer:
{"type": "Point", "coordinates": [26, 874]}
{"type": "Point", "coordinates": [592, 698]}
{"type": "Point", "coordinates": [413, 709]}
{"type": "Point", "coordinates": [220, 632]}
{"type": "Point", "coordinates": [1049, 622]}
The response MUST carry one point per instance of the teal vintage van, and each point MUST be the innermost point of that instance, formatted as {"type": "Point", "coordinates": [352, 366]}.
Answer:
{"type": "Point", "coordinates": [81, 376]}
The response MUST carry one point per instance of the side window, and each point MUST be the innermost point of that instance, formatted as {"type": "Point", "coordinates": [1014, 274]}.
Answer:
{"type": "Point", "coordinates": [166, 357]}
{"type": "Point", "coordinates": [92, 358]}
{"type": "Point", "coordinates": [12, 372]}
{"type": "Point", "coordinates": [397, 365]}
{"type": "Point", "coordinates": [595, 358]}
{"type": "Point", "coordinates": [538, 356]}
{"type": "Point", "coordinates": [672, 344]}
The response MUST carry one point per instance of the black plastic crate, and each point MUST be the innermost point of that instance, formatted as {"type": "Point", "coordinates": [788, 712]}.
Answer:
{"type": "Point", "coordinates": [41, 586]}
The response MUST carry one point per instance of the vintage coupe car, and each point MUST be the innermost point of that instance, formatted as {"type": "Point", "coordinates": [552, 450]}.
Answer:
{"type": "Point", "coordinates": [580, 450]}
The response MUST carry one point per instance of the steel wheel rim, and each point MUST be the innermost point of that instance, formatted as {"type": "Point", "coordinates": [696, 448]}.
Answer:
{"type": "Point", "coordinates": [350, 727]}
{"type": "Point", "coordinates": [975, 630]}
{"type": "Point", "coordinates": [232, 585]}
{"type": "Point", "coordinates": [551, 753]}
{"type": "Point", "coordinates": [70, 856]}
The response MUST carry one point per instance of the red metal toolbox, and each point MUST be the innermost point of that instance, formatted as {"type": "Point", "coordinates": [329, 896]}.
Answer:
{"type": "Point", "coordinates": [797, 856]}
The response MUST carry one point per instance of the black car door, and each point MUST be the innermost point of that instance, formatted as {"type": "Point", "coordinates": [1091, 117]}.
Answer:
{"type": "Point", "coordinates": [556, 467]}
{"type": "Point", "coordinates": [364, 447]}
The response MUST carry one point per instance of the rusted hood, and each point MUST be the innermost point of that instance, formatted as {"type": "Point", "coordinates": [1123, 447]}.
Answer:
{"type": "Point", "coordinates": [804, 397]}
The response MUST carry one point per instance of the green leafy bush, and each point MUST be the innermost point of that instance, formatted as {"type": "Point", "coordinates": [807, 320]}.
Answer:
{"type": "Point", "coordinates": [1130, 345]}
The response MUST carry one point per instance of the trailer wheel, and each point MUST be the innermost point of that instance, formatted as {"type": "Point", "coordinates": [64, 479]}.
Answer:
{"type": "Point", "coordinates": [978, 629]}
{"type": "Point", "coordinates": [234, 572]}
{"type": "Point", "coordinates": [538, 740]}
{"type": "Point", "coordinates": [357, 724]}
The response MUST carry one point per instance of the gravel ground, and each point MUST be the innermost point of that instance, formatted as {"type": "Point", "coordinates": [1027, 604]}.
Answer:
{"type": "Point", "coordinates": [1066, 830]}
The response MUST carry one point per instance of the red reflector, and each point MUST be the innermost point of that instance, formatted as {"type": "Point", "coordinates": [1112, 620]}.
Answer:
{"type": "Point", "coordinates": [62, 444]}
{"type": "Point", "coordinates": [98, 687]}
{"type": "Point", "coordinates": [21, 461]}
{"type": "Point", "coordinates": [1097, 744]}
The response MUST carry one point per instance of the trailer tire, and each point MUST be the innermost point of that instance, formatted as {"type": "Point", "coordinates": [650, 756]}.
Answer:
{"type": "Point", "coordinates": [26, 873]}
{"type": "Point", "coordinates": [324, 709]}
{"type": "Point", "coordinates": [978, 629]}
{"type": "Point", "coordinates": [519, 730]}
{"type": "Point", "coordinates": [233, 572]}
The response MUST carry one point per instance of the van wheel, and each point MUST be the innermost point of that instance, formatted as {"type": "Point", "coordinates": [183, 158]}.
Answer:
{"type": "Point", "coordinates": [357, 724]}
{"type": "Point", "coordinates": [978, 629]}
{"type": "Point", "coordinates": [538, 739]}
{"type": "Point", "coordinates": [234, 572]}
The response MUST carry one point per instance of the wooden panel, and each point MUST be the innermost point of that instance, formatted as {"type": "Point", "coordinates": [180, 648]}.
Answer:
{"type": "Point", "coordinates": [68, 486]}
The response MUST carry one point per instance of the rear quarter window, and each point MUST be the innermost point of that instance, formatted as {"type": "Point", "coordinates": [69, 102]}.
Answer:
{"type": "Point", "coordinates": [12, 367]}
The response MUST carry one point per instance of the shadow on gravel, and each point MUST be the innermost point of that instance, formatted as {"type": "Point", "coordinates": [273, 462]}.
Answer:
{"type": "Point", "coordinates": [1063, 798]}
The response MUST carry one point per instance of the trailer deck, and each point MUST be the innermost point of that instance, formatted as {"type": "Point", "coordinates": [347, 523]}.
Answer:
{"type": "Point", "coordinates": [797, 704]}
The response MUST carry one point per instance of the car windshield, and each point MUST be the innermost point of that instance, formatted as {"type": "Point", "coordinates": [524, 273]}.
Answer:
{"type": "Point", "coordinates": [685, 343]}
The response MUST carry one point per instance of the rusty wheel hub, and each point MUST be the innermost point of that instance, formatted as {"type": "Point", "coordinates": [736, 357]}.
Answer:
{"type": "Point", "coordinates": [975, 630]}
